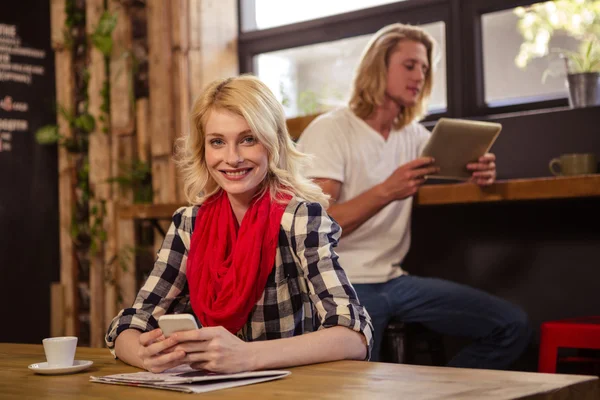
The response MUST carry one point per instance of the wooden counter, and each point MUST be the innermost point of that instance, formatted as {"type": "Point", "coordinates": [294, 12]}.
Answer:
{"type": "Point", "coordinates": [453, 193]}
{"type": "Point", "coordinates": [333, 380]}
{"type": "Point", "coordinates": [511, 190]}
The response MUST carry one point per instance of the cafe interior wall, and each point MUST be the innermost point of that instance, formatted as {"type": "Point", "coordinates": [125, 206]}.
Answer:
{"type": "Point", "coordinates": [29, 248]}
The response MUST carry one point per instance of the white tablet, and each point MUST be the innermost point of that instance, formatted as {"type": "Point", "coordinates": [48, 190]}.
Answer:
{"type": "Point", "coordinates": [456, 142]}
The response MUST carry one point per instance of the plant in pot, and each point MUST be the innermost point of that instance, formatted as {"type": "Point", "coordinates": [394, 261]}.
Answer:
{"type": "Point", "coordinates": [580, 20]}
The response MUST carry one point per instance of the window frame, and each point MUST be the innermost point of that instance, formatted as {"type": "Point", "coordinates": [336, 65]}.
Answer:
{"type": "Point", "coordinates": [474, 95]}
{"type": "Point", "coordinates": [465, 92]}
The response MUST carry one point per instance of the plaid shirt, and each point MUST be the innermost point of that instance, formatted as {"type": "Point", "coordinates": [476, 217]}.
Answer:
{"type": "Point", "coordinates": [307, 289]}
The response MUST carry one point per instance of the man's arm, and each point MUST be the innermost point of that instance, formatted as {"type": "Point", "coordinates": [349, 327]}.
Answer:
{"type": "Point", "coordinates": [353, 213]}
{"type": "Point", "coordinates": [404, 182]}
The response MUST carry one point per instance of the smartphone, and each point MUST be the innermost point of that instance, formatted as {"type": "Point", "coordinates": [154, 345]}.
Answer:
{"type": "Point", "coordinates": [172, 323]}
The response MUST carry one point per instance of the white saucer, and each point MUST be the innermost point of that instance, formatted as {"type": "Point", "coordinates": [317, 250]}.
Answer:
{"type": "Point", "coordinates": [44, 369]}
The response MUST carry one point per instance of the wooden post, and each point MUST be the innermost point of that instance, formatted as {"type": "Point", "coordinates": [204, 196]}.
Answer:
{"type": "Point", "coordinates": [65, 97]}
{"type": "Point", "coordinates": [100, 172]}
{"type": "Point", "coordinates": [160, 71]}
{"type": "Point", "coordinates": [57, 308]}
{"type": "Point", "coordinates": [142, 130]}
{"type": "Point", "coordinates": [181, 80]}
{"type": "Point", "coordinates": [162, 124]}
{"type": "Point", "coordinates": [213, 42]}
{"type": "Point", "coordinates": [123, 152]}
{"type": "Point", "coordinates": [125, 228]}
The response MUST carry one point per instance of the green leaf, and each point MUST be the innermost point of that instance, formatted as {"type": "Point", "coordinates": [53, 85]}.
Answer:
{"type": "Point", "coordinates": [106, 24]}
{"type": "Point", "coordinates": [47, 134]}
{"type": "Point", "coordinates": [101, 38]}
{"type": "Point", "coordinates": [103, 43]}
{"type": "Point", "coordinates": [85, 122]}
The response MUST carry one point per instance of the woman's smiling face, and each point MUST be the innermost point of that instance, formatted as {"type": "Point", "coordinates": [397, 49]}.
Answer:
{"type": "Point", "coordinates": [235, 158]}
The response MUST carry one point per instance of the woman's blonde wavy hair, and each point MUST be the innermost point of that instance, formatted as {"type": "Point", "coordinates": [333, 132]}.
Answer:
{"type": "Point", "coordinates": [370, 80]}
{"type": "Point", "coordinates": [251, 99]}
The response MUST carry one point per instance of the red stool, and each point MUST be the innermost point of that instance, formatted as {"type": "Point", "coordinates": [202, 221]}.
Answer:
{"type": "Point", "coordinates": [579, 333]}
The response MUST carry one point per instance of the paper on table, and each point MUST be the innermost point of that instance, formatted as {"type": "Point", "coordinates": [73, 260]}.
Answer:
{"type": "Point", "coordinates": [186, 379]}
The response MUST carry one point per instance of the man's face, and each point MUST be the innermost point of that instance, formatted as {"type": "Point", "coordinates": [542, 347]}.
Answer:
{"type": "Point", "coordinates": [407, 68]}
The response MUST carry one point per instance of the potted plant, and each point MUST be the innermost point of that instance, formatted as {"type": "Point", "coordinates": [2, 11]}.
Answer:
{"type": "Point", "coordinates": [581, 20]}
{"type": "Point", "coordinates": [583, 75]}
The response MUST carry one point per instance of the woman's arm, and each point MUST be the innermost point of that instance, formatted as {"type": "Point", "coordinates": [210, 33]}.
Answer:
{"type": "Point", "coordinates": [164, 291]}
{"type": "Point", "coordinates": [335, 343]}
{"type": "Point", "coordinates": [216, 349]}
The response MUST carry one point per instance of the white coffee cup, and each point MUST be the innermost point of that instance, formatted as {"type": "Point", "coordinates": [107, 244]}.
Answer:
{"type": "Point", "coordinates": [60, 351]}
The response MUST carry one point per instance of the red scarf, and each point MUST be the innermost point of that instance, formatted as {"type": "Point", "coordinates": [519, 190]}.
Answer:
{"type": "Point", "coordinates": [227, 269]}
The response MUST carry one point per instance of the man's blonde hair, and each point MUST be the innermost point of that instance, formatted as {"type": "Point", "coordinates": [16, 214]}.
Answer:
{"type": "Point", "coordinates": [370, 80]}
{"type": "Point", "coordinates": [251, 99]}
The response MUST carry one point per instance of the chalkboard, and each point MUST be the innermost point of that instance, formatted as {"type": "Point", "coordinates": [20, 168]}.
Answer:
{"type": "Point", "coordinates": [29, 244]}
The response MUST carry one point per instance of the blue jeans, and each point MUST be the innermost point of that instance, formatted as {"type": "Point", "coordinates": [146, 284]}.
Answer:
{"type": "Point", "coordinates": [500, 330]}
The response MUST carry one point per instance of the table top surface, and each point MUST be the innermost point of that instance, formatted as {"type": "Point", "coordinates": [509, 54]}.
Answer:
{"type": "Point", "coordinates": [340, 379]}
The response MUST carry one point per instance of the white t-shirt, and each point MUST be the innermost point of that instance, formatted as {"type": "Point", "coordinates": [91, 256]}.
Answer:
{"type": "Point", "coordinates": [348, 150]}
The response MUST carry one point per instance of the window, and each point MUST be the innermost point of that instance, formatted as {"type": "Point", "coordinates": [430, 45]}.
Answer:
{"type": "Point", "coordinates": [309, 65]}
{"type": "Point", "coordinates": [316, 78]}
{"type": "Point", "coordinates": [537, 79]}
{"type": "Point", "coordinates": [263, 14]}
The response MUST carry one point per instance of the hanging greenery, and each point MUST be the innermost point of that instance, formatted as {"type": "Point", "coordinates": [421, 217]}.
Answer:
{"type": "Point", "coordinates": [87, 226]}
{"type": "Point", "coordinates": [137, 176]}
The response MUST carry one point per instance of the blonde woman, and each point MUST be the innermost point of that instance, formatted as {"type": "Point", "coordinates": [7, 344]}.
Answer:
{"type": "Point", "coordinates": [367, 159]}
{"type": "Point", "coordinates": [253, 257]}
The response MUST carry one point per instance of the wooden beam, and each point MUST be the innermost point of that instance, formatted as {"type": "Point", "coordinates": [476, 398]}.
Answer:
{"type": "Point", "coordinates": [57, 307]}
{"type": "Point", "coordinates": [160, 71]}
{"type": "Point", "coordinates": [100, 171]}
{"type": "Point", "coordinates": [148, 211]}
{"type": "Point", "coordinates": [122, 119]}
{"type": "Point", "coordinates": [58, 17]}
{"type": "Point", "coordinates": [181, 106]}
{"type": "Point", "coordinates": [162, 185]}
{"type": "Point", "coordinates": [65, 98]}
{"type": "Point", "coordinates": [142, 129]}
{"type": "Point", "coordinates": [511, 190]}
{"type": "Point", "coordinates": [125, 233]}
{"type": "Point", "coordinates": [121, 286]}
{"type": "Point", "coordinates": [213, 42]}
{"type": "Point", "coordinates": [181, 81]}
{"type": "Point", "coordinates": [180, 25]}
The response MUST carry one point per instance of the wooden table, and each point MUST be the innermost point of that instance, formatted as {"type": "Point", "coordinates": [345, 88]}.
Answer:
{"type": "Point", "coordinates": [336, 380]}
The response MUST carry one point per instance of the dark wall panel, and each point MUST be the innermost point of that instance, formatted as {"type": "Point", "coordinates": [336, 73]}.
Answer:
{"type": "Point", "coordinates": [542, 255]}
{"type": "Point", "coordinates": [29, 247]}
{"type": "Point", "coordinates": [528, 142]}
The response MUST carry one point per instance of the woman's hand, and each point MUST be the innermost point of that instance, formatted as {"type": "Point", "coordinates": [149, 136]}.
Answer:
{"type": "Point", "coordinates": [157, 352]}
{"type": "Point", "coordinates": [484, 171]}
{"type": "Point", "coordinates": [214, 349]}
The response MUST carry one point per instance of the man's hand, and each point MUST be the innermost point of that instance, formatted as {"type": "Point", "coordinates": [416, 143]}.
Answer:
{"type": "Point", "coordinates": [406, 179]}
{"type": "Point", "coordinates": [484, 171]}
{"type": "Point", "coordinates": [214, 349]}
{"type": "Point", "coordinates": [157, 353]}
